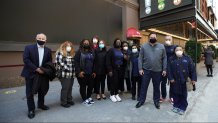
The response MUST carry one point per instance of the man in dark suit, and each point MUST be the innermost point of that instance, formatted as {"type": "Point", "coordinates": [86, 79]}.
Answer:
{"type": "Point", "coordinates": [34, 57]}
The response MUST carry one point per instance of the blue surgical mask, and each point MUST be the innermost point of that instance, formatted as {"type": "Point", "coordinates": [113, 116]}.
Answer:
{"type": "Point", "coordinates": [101, 46]}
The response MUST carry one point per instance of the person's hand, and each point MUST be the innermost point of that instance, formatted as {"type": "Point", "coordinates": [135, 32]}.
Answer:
{"type": "Point", "coordinates": [39, 71]}
{"type": "Point", "coordinates": [172, 81]}
{"type": "Point", "coordinates": [141, 72]}
{"type": "Point", "coordinates": [193, 82]}
{"type": "Point", "coordinates": [125, 57]}
{"type": "Point", "coordinates": [94, 75]}
{"type": "Point", "coordinates": [81, 74]}
{"type": "Point", "coordinates": [110, 74]}
{"type": "Point", "coordinates": [164, 73]}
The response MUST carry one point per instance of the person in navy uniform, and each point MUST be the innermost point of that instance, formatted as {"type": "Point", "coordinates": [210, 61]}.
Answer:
{"type": "Point", "coordinates": [36, 56]}
{"type": "Point", "coordinates": [170, 52]}
{"type": "Point", "coordinates": [134, 72]}
{"type": "Point", "coordinates": [84, 67]}
{"type": "Point", "coordinates": [179, 68]}
{"type": "Point", "coordinates": [114, 62]}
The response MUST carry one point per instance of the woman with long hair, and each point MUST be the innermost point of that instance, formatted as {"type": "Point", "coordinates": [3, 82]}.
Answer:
{"type": "Point", "coordinates": [100, 69]}
{"type": "Point", "coordinates": [66, 72]}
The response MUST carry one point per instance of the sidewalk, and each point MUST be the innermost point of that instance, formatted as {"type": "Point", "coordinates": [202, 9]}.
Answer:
{"type": "Point", "coordinates": [13, 106]}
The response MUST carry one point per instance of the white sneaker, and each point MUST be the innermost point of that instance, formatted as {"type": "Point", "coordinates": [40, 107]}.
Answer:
{"type": "Point", "coordinates": [91, 100]}
{"type": "Point", "coordinates": [113, 99]}
{"type": "Point", "coordinates": [87, 103]}
{"type": "Point", "coordinates": [118, 98]}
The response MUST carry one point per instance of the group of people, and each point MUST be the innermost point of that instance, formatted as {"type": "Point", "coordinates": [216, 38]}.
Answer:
{"type": "Point", "coordinates": [123, 62]}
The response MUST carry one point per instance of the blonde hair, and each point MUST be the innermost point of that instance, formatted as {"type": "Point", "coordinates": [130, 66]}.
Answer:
{"type": "Point", "coordinates": [63, 46]}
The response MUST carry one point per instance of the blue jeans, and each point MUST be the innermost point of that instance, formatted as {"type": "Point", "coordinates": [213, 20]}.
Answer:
{"type": "Point", "coordinates": [156, 79]}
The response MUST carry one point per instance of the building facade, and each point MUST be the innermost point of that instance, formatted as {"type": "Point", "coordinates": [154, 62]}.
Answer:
{"type": "Point", "coordinates": [60, 20]}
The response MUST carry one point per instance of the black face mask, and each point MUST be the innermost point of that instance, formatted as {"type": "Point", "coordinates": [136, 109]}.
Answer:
{"type": "Point", "coordinates": [153, 40]}
{"type": "Point", "coordinates": [117, 45]}
{"type": "Point", "coordinates": [40, 42]}
{"type": "Point", "coordinates": [85, 46]}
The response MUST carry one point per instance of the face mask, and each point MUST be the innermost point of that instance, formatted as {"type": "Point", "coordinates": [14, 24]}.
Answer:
{"type": "Point", "coordinates": [134, 50]}
{"type": "Point", "coordinates": [125, 48]}
{"type": "Point", "coordinates": [95, 41]}
{"type": "Point", "coordinates": [85, 46]}
{"type": "Point", "coordinates": [68, 48]}
{"type": "Point", "coordinates": [101, 46]}
{"type": "Point", "coordinates": [153, 40]}
{"type": "Point", "coordinates": [117, 45]}
{"type": "Point", "coordinates": [168, 42]}
{"type": "Point", "coordinates": [179, 53]}
{"type": "Point", "coordinates": [40, 42]}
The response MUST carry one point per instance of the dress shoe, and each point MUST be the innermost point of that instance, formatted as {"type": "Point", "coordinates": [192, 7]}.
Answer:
{"type": "Point", "coordinates": [66, 105]}
{"type": "Point", "coordinates": [98, 97]}
{"type": "Point", "coordinates": [139, 104]}
{"type": "Point", "coordinates": [157, 105]}
{"type": "Point", "coordinates": [31, 114]}
{"type": "Point", "coordinates": [44, 107]}
{"type": "Point", "coordinates": [71, 103]}
{"type": "Point", "coordinates": [103, 96]}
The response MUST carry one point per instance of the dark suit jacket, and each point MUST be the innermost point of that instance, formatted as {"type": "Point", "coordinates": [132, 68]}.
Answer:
{"type": "Point", "coordinates": [31, 60]}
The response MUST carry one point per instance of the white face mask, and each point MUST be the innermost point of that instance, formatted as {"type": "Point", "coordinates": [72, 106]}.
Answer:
{"type": "Point", "coordinates": [95, 41]}
{"type": "Point", "coordinates": [125, 48]}
{"type": "Point", "coordinates": [68, 48]}
{"type": "Point", "coordinates": [134, 50]}
{"type": "Point", "coordinates": [168, 42]}
{"type": "Point", "coordinates": [179, 53]}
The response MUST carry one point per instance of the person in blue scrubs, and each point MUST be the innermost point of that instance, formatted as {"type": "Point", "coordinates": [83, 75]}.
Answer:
{"type": "Point", "coordinates": [179, 68]}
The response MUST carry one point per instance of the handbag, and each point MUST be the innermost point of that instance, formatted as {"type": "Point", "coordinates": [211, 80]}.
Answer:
{"type": "Point", "coordinates": [189, 85]}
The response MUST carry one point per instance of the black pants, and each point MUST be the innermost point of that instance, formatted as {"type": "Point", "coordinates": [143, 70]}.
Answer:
{"type": "Point", "coordinates": [164, 90]}
{"type": "Point", "coordinates": [86, 86]}
{"type": "Point", "coordinates": [209, 69]}
{"type": "Point", "coordinates": [122, 83]}
{"type": "Point", "coordinates": [128, 84]}
{"type": "Point", "coordinates": [156, 78]}
{"type": "Point", "coordinates": [100, 83]}
{"type": "Point", "coordinates": [115, 81]}
{"type": "Point", "coordinates": [42, 91]}
{"type": "Point", "coordinates": [109, 79]}
{"type": "Point", "coordinates": [66, 90]}
{"type": "Point", "coordinates": [136, 79]}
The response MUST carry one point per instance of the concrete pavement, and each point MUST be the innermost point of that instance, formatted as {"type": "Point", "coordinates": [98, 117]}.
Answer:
{"type": "Point", "coordinates": [13, 106]}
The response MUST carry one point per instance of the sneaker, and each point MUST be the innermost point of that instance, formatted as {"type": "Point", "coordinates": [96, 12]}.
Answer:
{"type": "Point", "coordinates": [98, 97]}
{"type": "Point", "coordinates": [113, 99]}
{"type": "Point", "coordinates": [118, 98]}
{"type": "Point", "coordinates": [175, 110]}
{"type": "Point", "coordinates": [87, 103]}
{"type": "Point", "coordinates": [171, 101]}
{"type": "Point", "coordinates": [91, 100]}
{"type": "Point", "coordinates": [181, 112]}
{"type": "Point", "coordinates": [103, 96]}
